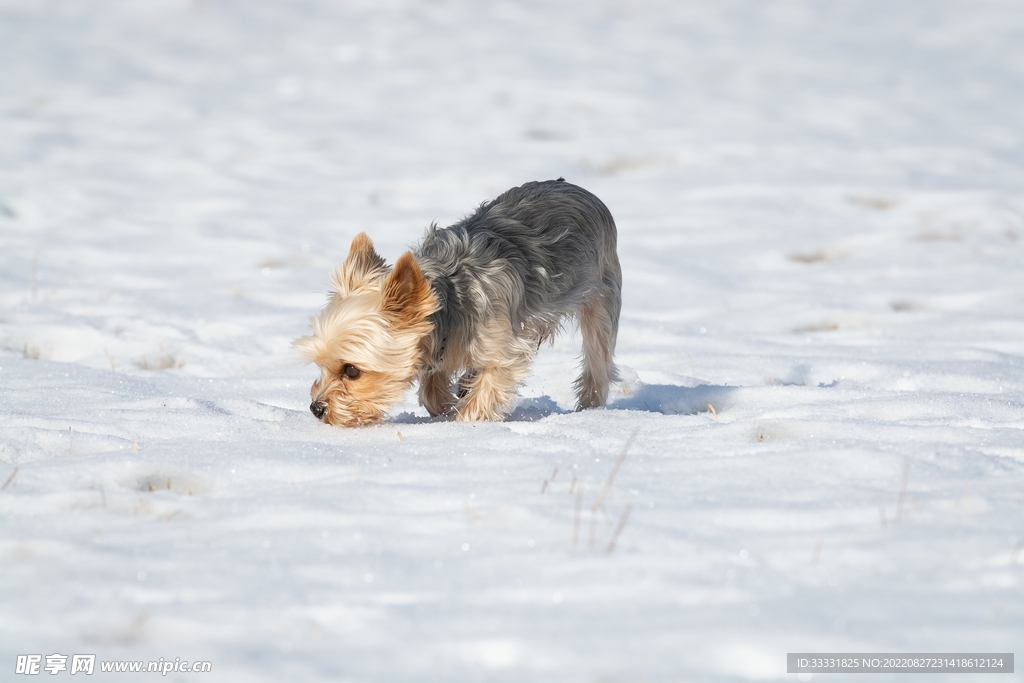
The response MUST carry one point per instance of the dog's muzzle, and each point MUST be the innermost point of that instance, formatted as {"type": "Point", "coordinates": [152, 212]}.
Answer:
{"type": "Point", "coordinates": [318, 408]}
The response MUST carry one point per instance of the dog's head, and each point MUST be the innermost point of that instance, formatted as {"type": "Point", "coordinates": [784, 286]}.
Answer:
{"type": "Point", "coordinates": [366, 340]}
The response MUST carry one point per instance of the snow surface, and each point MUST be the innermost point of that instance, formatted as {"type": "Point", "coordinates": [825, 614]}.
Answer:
{"type": "Point", "coordinates": [821, 225]}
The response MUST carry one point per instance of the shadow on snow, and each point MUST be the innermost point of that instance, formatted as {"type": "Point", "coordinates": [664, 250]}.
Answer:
{"type": "Point", "coordinates": [669, 399]}
{"type": "Point", "coordinates": [666, 399]}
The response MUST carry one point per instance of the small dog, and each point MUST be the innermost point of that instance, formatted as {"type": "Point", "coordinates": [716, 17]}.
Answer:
{"type": "Point", "coordinates": [466, 312]}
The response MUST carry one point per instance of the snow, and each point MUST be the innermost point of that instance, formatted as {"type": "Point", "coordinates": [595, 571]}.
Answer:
{"type": "Point", "coordinates": [821, 225]}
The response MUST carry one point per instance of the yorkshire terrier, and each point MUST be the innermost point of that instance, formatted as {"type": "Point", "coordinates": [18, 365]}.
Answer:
{"type": "Point", "coordinates": [467, 310]}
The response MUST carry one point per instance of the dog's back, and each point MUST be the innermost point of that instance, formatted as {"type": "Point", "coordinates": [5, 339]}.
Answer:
{"type": "Point", "coordinates": [526, 261]}
{"type": "Point", "coordinates": [542, 247]}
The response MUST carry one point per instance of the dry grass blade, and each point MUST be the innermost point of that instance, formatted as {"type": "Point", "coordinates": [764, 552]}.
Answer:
{"type": "Point", "coordinates": [549, 480]}
{"type": "Point", "coordinates": [903, 492]}
{"type": "Point", "coordinates": [615, 470]}
{"type": "Point", "coordinates": [876, 203]}
{"type": "Point", "coordinates": [10, 478]}
{"type": "Point", "coordinates": [711, 409]}
{"type": "Point", "coordinates": [816, 555]}
{"type": "Point", "coordinates": [619, 527]}
{"type": "Point", "coordinates": [816, 257]}
{"type": "Point", "coordinates": [823, 327]}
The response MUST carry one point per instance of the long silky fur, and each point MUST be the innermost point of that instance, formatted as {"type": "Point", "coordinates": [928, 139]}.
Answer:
{"type": "Point", "coordinates": [536, 254]}
{"type": "Point", "coordinates": [474, 303]}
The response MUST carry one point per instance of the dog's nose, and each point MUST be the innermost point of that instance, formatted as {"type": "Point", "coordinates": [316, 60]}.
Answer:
{"type": "Point", "coordinates": [318, 408]}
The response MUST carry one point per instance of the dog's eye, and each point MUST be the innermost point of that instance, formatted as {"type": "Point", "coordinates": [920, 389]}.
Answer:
{"type": "Point", "coordinates": [351, 371]}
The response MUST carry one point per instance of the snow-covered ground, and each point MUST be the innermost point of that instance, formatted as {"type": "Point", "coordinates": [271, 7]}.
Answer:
{"type": "Point", "coordinates": [821, 225]}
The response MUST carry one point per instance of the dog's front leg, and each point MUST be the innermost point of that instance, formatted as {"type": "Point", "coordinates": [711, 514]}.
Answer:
{"type": "Point", "coordinates": [489, 391]}
{"type": "Point", "coordinates": [436, 392]}
{"type": "Point", "coordinates": [486, 393]}
{"type": "Point", "coordinates": [464, 383]}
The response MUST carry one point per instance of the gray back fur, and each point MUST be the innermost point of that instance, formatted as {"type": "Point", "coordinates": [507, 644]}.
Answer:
{"type": "Point", "coordinates": [537, 253]}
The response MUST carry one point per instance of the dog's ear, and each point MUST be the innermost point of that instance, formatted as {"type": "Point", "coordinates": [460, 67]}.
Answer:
{"type": "Point", "coordinates": [408, 298]}
{"type": "Point", "coordinates": [310, 348]}
{"type": "Point", "coordinates": [362, 263]}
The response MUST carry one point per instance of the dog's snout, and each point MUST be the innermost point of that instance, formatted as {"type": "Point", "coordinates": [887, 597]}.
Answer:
{"type": "Point", "coordinates": [318, 408]}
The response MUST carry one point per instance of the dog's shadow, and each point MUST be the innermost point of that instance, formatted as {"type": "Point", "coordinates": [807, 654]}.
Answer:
{"type": "Point", "coordinates": [667, 399]}
{"type": "Point", "coordinates": [533, 409]}
{"type": "Point", "coordinates": [528, 410]}
{"type": "Point", "coordinates": [408, 418]}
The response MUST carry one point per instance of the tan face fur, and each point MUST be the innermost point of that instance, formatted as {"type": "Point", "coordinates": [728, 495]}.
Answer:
{"type": "Point", "coordinates": [366, 340]}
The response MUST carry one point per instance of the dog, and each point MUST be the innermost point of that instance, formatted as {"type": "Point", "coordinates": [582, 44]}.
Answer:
{"type": "Point", "coordinates": [466, 311]}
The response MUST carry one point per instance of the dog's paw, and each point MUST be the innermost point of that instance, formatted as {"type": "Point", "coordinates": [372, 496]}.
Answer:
{"type": "Point", "coordinates": [473, 411]}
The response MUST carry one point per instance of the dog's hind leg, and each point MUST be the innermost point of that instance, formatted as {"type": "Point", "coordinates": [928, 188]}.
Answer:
{"type": "Point", "coordinates": [599, 327]}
